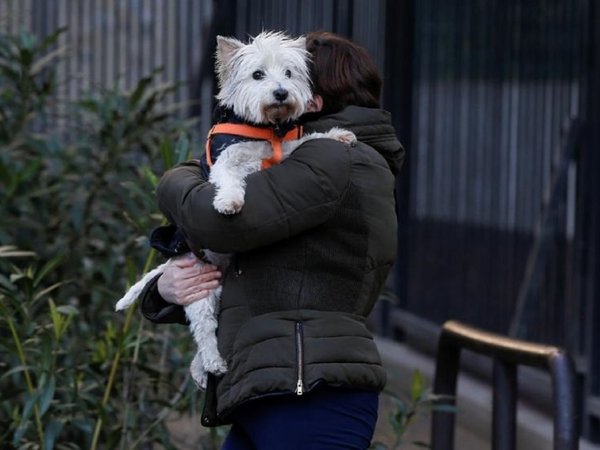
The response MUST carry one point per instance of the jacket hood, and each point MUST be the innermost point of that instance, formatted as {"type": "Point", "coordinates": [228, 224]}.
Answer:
{"type": "Point", "coordinates": [372, 127]}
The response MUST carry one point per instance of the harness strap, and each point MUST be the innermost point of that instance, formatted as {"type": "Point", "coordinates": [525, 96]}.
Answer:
{"type": "Point", "coordinates": [261, 133]}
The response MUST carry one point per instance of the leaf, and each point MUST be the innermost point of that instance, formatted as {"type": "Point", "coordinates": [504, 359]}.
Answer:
{"type": "Point", "coordinates": [56, 319]}
{"type": "Point", "coordinates": [67, 310]}
{"type": "Point", "coordinates": [28, 40]}
{"type": "Point", "coordinates": [15, 369]}
{"type": "Point", "coordinates": [401, 406]}
{"type": "Point", "coordinates": [417, 386]}
{"type": "Point", "coordinates": [24, 422]}
{"type": "Point", "coordinates": [46, 60]}
{"type": "Point", "coordinates": [47, 394]}
{"type": "Point", "coordinates": [421, 444]}
{"type": "Point", "coordinates": [51, 38]}
{"type": "Point", "coordinates": [89, 104]}
{"type": "Point", "coordinates": [166, 152]}
{"type": "Point", "coordinates": [141, 87]}
{"type": "Point", "coordinates": [150, 176]}
{"type": "Point", "coordinates": [86, 425]}
{"type": "Point", "coordinates": [46, 268]}
{"type": "Point", "coordinates": [182, 148]}
{"type": "Point", "coordinates": [53, 429]}
{"type": "Point", "coordinates": [47, 290]}
{"type": "Point", "coordinates": [10, 251]}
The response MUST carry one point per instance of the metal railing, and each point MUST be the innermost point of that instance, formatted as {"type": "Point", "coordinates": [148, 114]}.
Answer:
{"type": "Point", "coordinates": [507, 354]}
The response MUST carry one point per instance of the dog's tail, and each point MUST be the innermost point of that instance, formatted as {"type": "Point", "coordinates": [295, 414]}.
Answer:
{"type": "Point", "coordinates": [134, 291]}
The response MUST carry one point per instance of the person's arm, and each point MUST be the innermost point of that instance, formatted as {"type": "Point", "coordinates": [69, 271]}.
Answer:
{"type": "Point", "coordinates": [296, 195]}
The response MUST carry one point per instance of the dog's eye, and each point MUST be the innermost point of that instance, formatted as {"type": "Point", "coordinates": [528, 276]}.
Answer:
{"type": "Point", "coordinates": [258, 75]}
{"type": "Point", "coordinates": [288, 73]}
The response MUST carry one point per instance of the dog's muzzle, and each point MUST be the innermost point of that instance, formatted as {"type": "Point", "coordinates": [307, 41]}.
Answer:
{"type": "Point", "coordinates": [278, 112]}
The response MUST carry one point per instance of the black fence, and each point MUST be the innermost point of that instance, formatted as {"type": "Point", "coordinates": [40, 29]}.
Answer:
{"type": "Point", "coordinates": [495, 87]}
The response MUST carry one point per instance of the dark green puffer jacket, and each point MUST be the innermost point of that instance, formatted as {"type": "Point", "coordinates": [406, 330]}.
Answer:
{"type": "Point", "coordinates": [313, 246]}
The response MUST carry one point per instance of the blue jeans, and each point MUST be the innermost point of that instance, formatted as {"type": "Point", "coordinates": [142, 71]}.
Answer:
{"type": "Point", "coordinates": [326, 418]}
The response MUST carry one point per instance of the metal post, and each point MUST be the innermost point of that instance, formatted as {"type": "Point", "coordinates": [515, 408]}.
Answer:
{"type": "Point", "coordinates": [589, 194]}
{"type": "Point", "coordinates": [504, 412]}
{"type": "Point", "coordinates": [446, 374]}
{"type": "Point", "coordinates": [397, 97]}
{"type": "Point", "coordinates": [566, 417]}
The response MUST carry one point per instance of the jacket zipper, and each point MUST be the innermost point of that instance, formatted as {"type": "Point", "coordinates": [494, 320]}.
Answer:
{"type": "Point", "coordinates": [299, 358]}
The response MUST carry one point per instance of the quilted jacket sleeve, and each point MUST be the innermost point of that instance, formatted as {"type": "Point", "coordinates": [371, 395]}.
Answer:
{"type": "Point", "coordinates": [300, 193]}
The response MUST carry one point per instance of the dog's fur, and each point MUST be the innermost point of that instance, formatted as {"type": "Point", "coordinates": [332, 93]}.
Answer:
{"type": "Point", "coordinates": [265, 82]}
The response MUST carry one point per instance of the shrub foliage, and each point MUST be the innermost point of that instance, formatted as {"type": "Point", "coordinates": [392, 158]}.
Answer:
{"type": "Point", "coordinates": [76, 183]}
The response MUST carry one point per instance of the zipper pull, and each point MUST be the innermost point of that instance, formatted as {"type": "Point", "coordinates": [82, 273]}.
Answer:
{"type": "Point", "coordinates": [299, 387]}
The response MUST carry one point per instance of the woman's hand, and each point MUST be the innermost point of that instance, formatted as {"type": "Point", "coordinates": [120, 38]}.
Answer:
{"type": "Point", "coordinates": [186, 279]}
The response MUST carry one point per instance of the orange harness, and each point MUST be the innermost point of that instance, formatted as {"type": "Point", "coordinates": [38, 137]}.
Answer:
{"type": "Point", "coordinates": [249, 131]}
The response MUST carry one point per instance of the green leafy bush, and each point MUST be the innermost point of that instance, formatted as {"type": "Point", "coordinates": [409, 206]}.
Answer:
{"type": "Point", "coordinates": [77, 205]}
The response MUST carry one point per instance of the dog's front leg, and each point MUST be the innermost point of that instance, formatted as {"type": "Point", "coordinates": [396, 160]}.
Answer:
{"type": "Point", "coordinates": [337, 134]}
{"type": "Point", "coordinates": [230, 170]}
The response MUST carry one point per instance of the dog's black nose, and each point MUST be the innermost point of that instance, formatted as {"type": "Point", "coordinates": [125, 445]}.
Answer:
{"type": "Point", "coordinates": [280, 94]}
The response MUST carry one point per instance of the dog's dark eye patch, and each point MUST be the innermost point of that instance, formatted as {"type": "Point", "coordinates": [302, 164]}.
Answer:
{"type": "Point", "coordinates": [258, 75]}
{"type": "Point", "coordinates": [288, 73]}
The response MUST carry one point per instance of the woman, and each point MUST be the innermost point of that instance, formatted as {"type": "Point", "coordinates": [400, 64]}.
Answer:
{"type": "Point", "coordinates": [313, 246]}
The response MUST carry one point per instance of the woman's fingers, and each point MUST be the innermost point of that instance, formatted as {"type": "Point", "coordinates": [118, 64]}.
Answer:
{"type": "Point", "coordinates": [187, 280]}
{"type": "Point", "coordinates": [198, 293]}
{"type": "Point", "coordinates": [200, 282]}
{"type": "Point", "coordinates": [194, 275]}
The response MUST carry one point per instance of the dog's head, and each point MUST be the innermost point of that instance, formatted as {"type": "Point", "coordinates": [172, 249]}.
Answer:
{"type": "Point", "coordinates": [265, 81]}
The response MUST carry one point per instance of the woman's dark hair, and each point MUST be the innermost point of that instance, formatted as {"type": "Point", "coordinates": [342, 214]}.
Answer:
{"type": "Point", "coordinates": [342, 72]}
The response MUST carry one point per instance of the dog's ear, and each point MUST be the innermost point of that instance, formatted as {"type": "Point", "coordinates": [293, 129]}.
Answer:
{"type": "Point", "coordinates": [226, 47]}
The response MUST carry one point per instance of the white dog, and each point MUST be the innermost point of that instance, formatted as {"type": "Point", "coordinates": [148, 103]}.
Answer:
{"type": "Point", "coordinates": [264, 82]}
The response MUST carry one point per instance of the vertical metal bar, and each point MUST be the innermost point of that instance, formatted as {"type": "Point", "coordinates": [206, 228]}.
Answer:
{"type": "Point", "coordinates": [98, 57]}
{"type": "Point", "coordinates": [504, 410]}
{"type": "Point", "coordinates": [109, 30]}
{"type": "Point", "coordinates": [139, 39]}
{"type": "Point", "coordinates": [399, 67]}
{"type": "Point", "coordinates": [171, 49]}
{"type": "Point", "coordinates": [463, 108]}
{"type": "Point", "coordinates": [162, 39]}
{"type": "Point", "coordinates": [566, 417]}
{"type": "Point", "coordinates": [589, 237]}
{"type": "Point", "coordinates": [444, 384]}
{"type": "Point", "coordinates": [181, 62]}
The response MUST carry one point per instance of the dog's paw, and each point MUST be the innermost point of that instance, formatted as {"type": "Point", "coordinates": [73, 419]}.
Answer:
{"type": "Point", "coordinates": [200, 379]}
{"type": "Point", "coordinates": [198, 371]}
{"type": "Point", "coordinates": [228, 205]}
{"type": "Point", "coordinates": [217, 366]}
{"type": "Point", "coordinates": [341, 135]}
